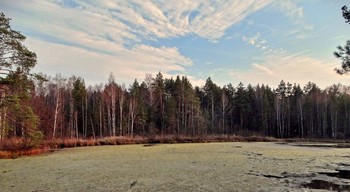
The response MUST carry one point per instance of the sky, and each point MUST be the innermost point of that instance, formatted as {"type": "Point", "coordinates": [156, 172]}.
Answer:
{"type": "Point", "coordinates": [231, 41]}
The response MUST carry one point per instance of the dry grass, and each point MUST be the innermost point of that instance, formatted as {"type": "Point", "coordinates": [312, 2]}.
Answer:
{"type": "Point", "coordinates": [13, 144]}
{"type": "Point", "coordinates": [122, 140]}
{"type": "Point", "coordinates": [16, 146]}
{"type": "Point", "coordinates": [19, 153]}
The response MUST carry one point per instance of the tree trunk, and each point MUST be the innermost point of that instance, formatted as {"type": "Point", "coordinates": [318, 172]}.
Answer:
{"type": "Point", "coordinates": [121, 103]}
{"type": "Point", "coordinates": [57, 109]}
{"type": "Point", "coordinates": [76, 124]}
{"type": "Point", "coordinates": [301, 120]}
{"type": "Point", "coordinates": [212, 114]}
{"type": "Point", "coordinates": [86, 116]}
{"type": "Point", "coordinates": [192, 120]}
{"type": "Point", "coordinates": [93, 129]}
{"type": "Point", "coordinates": [83, 115]}
{"type": "Point", "coordinates": [109, 119]}
{"type": "Point", "coordinates": [223, 115]}
{"type": "Point", "coordinates": [1, 126]}
{"type": "Point", "coordinates": [113, 112]}
{"type": "Point", "coordinates": [132, 109]}
{"type": "Point", "coordinates": [100, 116]}
{"type": "Point", "coordinates": [241, 120]}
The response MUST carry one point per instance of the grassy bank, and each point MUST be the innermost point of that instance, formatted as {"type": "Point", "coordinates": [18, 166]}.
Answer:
{"type": "Point", "coordinates": [15, 147]}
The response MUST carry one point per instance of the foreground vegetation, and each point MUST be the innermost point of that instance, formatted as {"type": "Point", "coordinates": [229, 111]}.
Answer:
{"type": "Point", "coordinates": [176, 167]}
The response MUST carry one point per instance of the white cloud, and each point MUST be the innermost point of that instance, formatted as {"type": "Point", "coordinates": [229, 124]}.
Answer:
{"type": "Point", "coordinates": [95, 67]}
{"type": "Point", "coordinates": [164, 55]}
{"type": "Point", "coordinates": [296, 14]}
{"type": "Point", "coordinates": [291, 9]}
{"type": "Point", "coordinates": [135, 19]}
{"type": "Point", "coordinates": [263, 69]}
{"type": "Point", "coordinates": [261, 43]}
{"type": "Point", "coordinates": [295, 68]}
{"type": "Point", "coordinates": [97, 37]}
{"type": "Point", "coordinates": [91, 38]}
{"type": "Point", "coordinates": [255, 40]}
{"type": "Point", "coordinates": [215, 18]}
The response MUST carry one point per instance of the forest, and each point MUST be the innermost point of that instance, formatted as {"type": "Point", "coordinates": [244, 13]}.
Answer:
{"type": "Point", "coordinates": [37, 106]}
{"type": "Point", "coordinates": [66, 108]}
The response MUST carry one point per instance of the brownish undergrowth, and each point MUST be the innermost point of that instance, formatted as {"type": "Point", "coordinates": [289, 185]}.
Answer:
{"type": "Point", "coordinates": [15, 147]}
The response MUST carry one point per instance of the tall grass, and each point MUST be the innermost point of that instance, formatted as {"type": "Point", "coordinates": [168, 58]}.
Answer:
{"type": "Point", "coordinates": [14, 147]}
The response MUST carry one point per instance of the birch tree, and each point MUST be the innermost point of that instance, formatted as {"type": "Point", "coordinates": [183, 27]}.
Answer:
{"type": "Point", "coordinates": [133, 104]}
{"type": "Point", "coordinates": [112, 92]}
{"type": "Point", "coordinates": [59, 83]}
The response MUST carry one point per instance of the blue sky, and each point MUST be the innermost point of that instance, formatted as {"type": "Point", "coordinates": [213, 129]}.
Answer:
{"type": "Point", "coordinates": [249, 41]}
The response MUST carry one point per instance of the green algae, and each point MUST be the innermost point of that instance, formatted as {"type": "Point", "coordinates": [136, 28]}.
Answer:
{"type": "Point", "coordinates": [169, 167]}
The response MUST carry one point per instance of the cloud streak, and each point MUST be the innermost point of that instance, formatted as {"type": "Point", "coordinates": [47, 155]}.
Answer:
{"type": "Point", "coordinates": [295, 68]}
{"type": "Point", "coordinates": [134, 63]}
{"type": "Point", "coordinates": [109, 35]}
{"type": "Point", "coordinates": [93, 38]}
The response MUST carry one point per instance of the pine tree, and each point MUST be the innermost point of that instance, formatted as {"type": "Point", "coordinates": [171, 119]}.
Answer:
{"type": "Point", "coordinates": [79, 95]}
{"type": "Point", "coordinates": [16, 61]}
{"type": "Point", "coordinates": [343, 53]}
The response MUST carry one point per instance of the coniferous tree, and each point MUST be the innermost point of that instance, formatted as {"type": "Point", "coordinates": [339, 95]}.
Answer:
{"type": "Point", "coordinates": [241, 105]}
{"type": "Point", "coordinates": [79, 95]}
{"type": "Point", "coordinates": [212, 92]}
{"type": "Point", "coordinates": [16, 61]}
{"type": "Point", "coordinates": [159, 92]}
{"type": "Point", "coordinates": [346, 14]}
{"type": "Point", "coordinates": [343, 53]}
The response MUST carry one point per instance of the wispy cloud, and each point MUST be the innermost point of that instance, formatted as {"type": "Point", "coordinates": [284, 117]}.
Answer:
{"type": "Point", "coordinates": [263, 68]}
{"type": "Point", "coordinates": [92, 38]}
{"type": "Point", "coordinates": [262, 44]}
{"type": "Point", "coordinates": [295, 68]}
{"type": "Point", "coordinates": [212, 24]}
{"type": "Point", "coordinates": [257, 41]}
{"type": "Point", "coordinates": [163, 19]}
{"type": "Point", "coordinates": [124, 21]}
{"type": "Point", "coordinates": [296, 14]}
{"type": "Point", "coordinates": [109, 35]}
{"type": "Point", "coordinates": [128, 65]}
{"type": "Point", "coordinates": [291, 9]}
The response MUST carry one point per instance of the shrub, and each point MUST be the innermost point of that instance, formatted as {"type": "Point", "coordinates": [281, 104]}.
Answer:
{"type": "Point", "coordinates": [12, 144]}
{"type": "Point", "coordinates": [34, 139]}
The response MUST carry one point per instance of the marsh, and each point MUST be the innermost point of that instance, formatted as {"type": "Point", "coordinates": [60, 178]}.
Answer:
{"type": "Point", "coordinates": [179, 167]}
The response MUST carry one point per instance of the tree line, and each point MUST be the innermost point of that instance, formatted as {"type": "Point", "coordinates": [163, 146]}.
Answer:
{"type": "Point", "coordinates": [67, 108]}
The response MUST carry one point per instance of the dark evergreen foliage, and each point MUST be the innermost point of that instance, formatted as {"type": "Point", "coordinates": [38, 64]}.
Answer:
{"type": "Point", "coordinates": [343, 53]}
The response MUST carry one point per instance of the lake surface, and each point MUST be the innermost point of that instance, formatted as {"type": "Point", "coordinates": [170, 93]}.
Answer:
{"type": "Point", "coordinates": [181, 167]}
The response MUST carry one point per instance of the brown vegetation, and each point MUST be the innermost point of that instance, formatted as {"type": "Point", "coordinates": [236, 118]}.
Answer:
{"type": "Point", "coordinates": [15, 147]}
{"type": "Point", "coordinates": [12, 148]}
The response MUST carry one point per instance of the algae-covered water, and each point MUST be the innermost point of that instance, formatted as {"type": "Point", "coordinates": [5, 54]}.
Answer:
{"type": "Point", "coordinates": [180, 167]}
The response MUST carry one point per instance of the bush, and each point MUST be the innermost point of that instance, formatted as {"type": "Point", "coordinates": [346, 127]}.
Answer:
{"type": "Point", "coordinates": [34, 139]}
{"type": "Point", "coordinates": [12, 144]}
